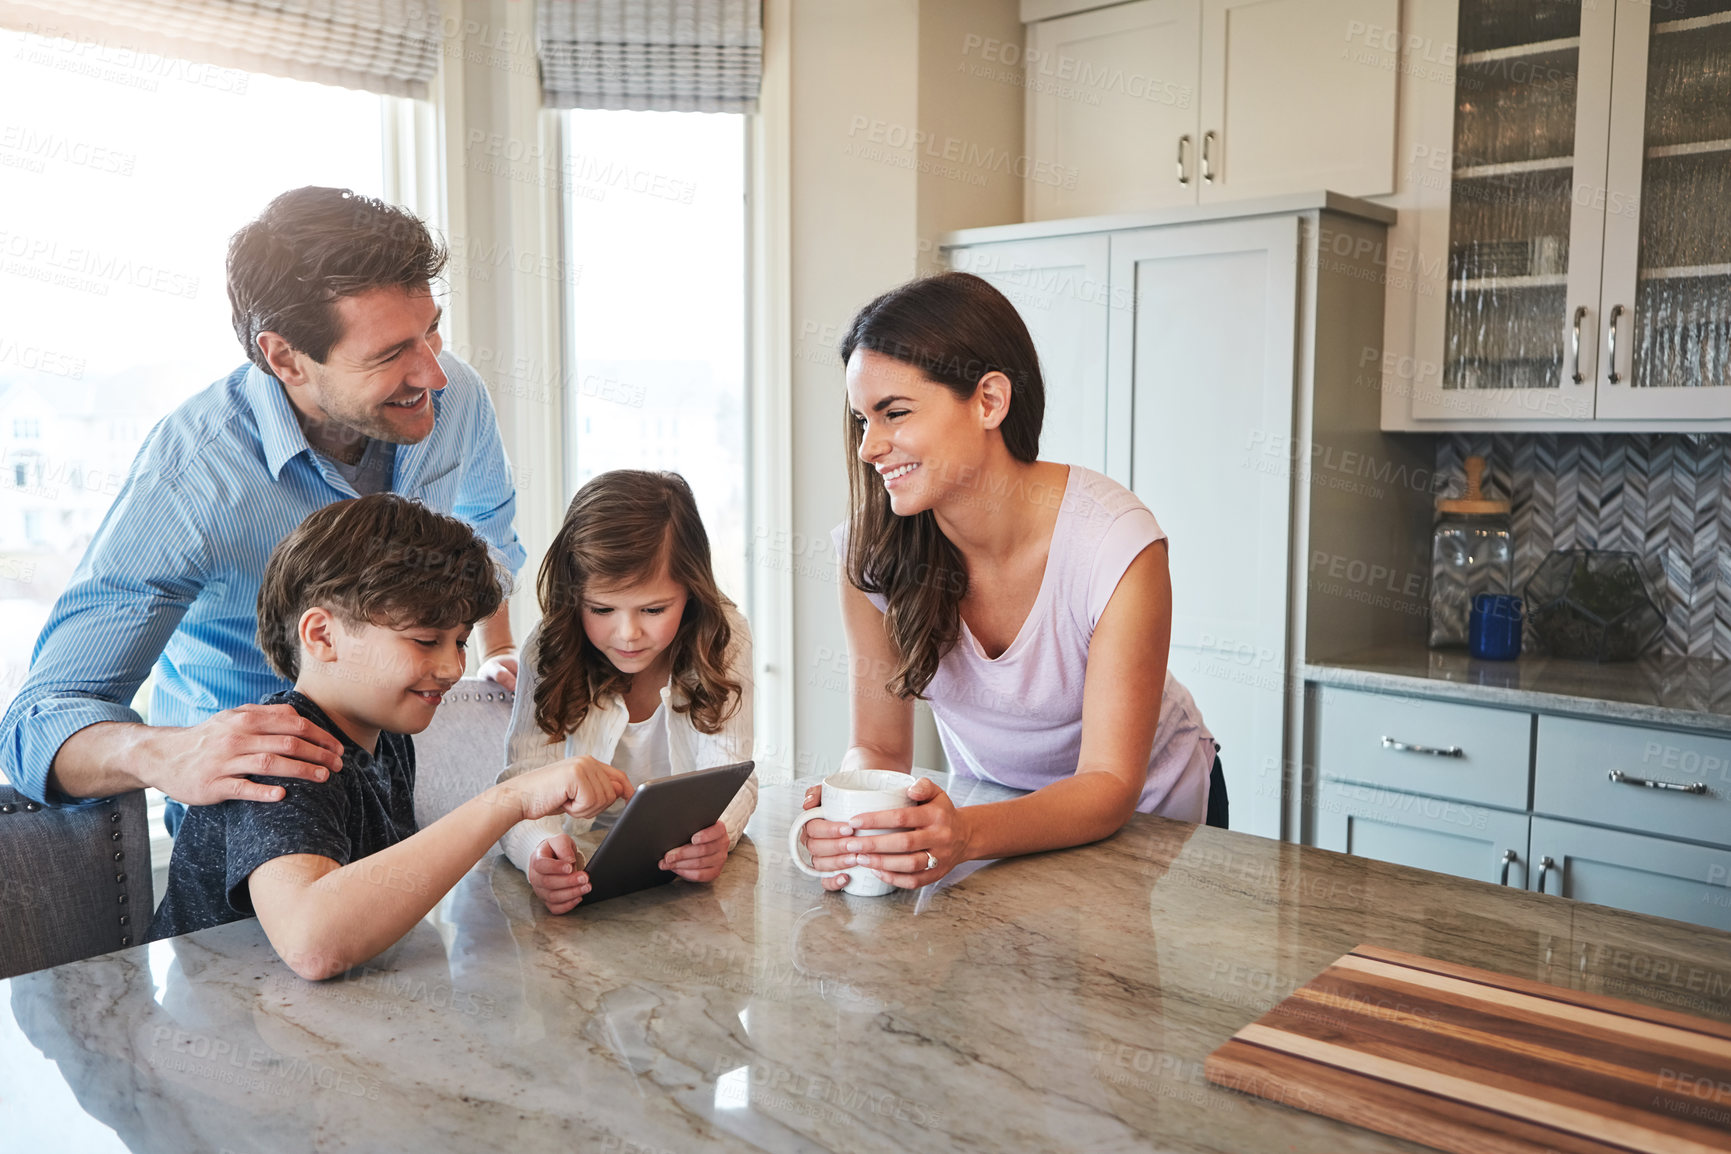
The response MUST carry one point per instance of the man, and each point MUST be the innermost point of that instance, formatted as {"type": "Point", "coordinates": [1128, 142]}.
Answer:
{"type": "Point", "coordinates": [346, 393]}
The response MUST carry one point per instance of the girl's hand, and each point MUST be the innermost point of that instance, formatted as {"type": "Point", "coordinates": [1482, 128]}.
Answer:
{"type": "Point", "coordinates": [579, 786]}
{"type": "Point", "coordinates": [556, 874]}
{"type": "Point", "coordinates": [935, 841]}
{"type": "Point", "coordinates": [701, 861]}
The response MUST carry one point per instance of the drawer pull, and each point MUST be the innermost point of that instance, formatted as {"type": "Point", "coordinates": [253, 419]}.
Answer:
{"type": "Point", "coordinates": [1621, 778]}
{"type": "Point", "coordinates": [1509, 858]}
{"type": "Point", "coordinates": [1408, 747]}
{"type": "Point", "coordinates": [1545, 867]}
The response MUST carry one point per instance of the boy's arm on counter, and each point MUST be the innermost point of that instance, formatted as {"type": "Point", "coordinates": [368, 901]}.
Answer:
{"type": "Point", "coordinates": [323, 917]}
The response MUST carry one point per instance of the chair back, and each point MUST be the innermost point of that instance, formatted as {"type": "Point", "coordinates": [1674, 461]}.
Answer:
{"type": "Point", "coordinates": [461, 753]}
{"type": "Point", "coordinates": [74, 880]}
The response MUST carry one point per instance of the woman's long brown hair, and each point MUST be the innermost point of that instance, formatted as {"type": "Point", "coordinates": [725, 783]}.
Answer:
{"type": "Point", "coordinates": [621, 528]}
{"type": "Point", "coordinates": [955, 328]}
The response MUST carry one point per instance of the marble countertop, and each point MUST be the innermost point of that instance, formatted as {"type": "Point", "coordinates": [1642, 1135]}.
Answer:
{"type": "Point", "coordinates": [1674, 692]}
{"type": "Point", "coordinates": [1061, 1002]}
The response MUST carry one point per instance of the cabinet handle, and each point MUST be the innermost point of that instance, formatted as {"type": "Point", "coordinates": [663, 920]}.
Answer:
{"type": "Point", "coordinates": [1208, 157]}
{"type": "Point", "coordinates": [1611, 344]}
{"type": "Point", "coordinates": [1509, 858]}
{"type": "Point", "coordinates": [1621, 778]}
{"type": "Point", "coordinates": [1575, 344]}
{"type": "Point", "coordinates": [1184, 159]}
{"type": "Point", "coordinates": [1408, 747]}
{"type": "Point", "coordinates": [1545, 867]}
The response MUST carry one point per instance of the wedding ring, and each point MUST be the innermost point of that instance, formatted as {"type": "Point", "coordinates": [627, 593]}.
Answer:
{"type": "Point", "coordinates": [931, 861]}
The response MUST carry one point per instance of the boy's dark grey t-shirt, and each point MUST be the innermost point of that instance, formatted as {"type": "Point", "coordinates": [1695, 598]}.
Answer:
{"type": "Point", "coordinates": [367, 807]}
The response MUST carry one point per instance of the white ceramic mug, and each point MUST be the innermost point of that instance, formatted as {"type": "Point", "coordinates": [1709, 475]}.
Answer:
{"type": "Point", "coordinates": [850, 792]}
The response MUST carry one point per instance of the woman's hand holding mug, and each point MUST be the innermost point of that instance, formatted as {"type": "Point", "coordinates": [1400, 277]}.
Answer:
{"type": "Point", "coordinates": [928, 839]}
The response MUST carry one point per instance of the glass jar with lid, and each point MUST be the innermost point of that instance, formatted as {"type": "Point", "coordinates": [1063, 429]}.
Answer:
{"type": "Point", "coordinates": [1471, 553]}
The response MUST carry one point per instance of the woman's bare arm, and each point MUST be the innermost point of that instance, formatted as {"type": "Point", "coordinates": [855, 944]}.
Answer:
{"type": "Point", "coordinates": [1120, 713]}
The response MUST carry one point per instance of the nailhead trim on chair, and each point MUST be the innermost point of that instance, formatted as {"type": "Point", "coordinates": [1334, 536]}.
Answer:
{"type": "Point", "coordinates": [120, 877]}
{"type": "Point", "coordinates": [477, 695]}
{"type": "Point", "coordinates": [119, 855]}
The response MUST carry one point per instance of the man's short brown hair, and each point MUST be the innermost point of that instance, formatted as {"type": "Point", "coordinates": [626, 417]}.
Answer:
{"type": "Point", "coordinates": [382, 560]}
{"type": "Point", "coordinates": [312, 246]}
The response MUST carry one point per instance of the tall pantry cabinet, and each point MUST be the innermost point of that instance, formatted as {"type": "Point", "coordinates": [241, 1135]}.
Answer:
{"type": "Point", "coordinates": [1222, 363]}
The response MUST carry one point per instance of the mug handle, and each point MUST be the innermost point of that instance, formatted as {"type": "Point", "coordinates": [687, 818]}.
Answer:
{"type": "Point", "coordinates": [793, 847]}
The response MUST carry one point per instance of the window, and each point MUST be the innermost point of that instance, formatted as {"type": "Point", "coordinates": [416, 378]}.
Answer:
{"type": "Point", "coordinates": [120, 198]}
{"type": "Point", "coordinates": [655, 309]}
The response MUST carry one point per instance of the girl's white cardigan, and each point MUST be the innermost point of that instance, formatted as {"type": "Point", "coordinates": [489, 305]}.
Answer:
{"type": "Point", "coordinates": [528, 748]}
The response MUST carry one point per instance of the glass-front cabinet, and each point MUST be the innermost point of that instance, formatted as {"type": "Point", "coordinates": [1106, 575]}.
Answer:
{"type": "Point", "coordinates": [1588, 240]}
{"type": "Point", "coordinates": [1667, 287]}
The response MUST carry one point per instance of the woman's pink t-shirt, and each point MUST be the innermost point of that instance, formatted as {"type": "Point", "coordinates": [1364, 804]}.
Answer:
{"type": "Point", "coordinates": [1017, 719]}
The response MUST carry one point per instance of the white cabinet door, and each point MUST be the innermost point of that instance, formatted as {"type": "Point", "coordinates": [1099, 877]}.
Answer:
{"type": "Point", "coordinates": [1508, 299]}
{"type": "Point", "coordinates": [1298, 95]}
{"type": "Point", "coordinates": [1111, 104]}
{"type": "Point", "coordinates": [1667, 283]}
{"type": "Point", "coordinates": [1201, 369]}
{"type": "Point", "coordinates": [1427, 833]}
{"type": "Point", "coordinates": [1632, 871]}
{"type": "Point", "coordinates": [1060, 288]}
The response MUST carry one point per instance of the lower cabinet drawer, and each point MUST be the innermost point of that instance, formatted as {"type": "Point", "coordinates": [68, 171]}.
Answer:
{"type": "Point", "coordinates": [1632, 871]}
{"type": "Point", "coordinates": [1430, 833]}
{"type": "Point", "coordinates": [1416, 746]}
{"type": "Point", "coordinates": [1691, 776]}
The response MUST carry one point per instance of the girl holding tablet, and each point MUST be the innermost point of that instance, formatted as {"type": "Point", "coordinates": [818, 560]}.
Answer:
{"type": "Point", "coordinates": [638, 663]}
{"type": "Point", "coordinates": [1028, 601]}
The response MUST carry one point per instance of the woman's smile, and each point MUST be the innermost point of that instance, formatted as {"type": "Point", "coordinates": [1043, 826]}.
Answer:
{"type": "Point", "coordinates": [891, 476]}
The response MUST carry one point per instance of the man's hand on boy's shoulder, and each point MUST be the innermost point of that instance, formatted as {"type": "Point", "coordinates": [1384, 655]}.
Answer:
{"type": "Point", "coordinates": [215, 760]}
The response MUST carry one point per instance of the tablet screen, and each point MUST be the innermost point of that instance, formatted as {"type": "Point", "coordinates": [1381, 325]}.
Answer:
{"type": "Point", "coordinates": [662, 814]}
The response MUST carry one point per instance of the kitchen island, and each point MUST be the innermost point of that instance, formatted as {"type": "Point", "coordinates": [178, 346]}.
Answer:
{"type": "Point", "coordinates": [1062, 1002]}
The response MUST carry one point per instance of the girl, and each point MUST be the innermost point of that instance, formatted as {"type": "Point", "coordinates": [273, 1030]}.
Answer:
{"type": "Point", "coordinates": [1028, 601]}
{"type": "Point", "coordinates": [639, 663]}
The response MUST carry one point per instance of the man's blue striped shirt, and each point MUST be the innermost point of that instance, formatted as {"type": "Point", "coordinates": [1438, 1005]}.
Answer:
{"type": "Point", "coordinates": [172, 575]}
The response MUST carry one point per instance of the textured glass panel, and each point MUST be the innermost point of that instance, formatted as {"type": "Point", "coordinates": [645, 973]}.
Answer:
{"type": "Point", "coordinates": [1682, 319]}
{"type": "Point", "coordinates": [1510, 203]}
{"type": "Point", "coordinates": [1486, 27]}
{"type": "Point", "coordinates": [1515, 107]}
{"type": "Point", "coordinates": [1508, 266]}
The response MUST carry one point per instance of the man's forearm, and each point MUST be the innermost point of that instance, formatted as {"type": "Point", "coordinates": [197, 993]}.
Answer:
{"type": "Point", "coordinates": [496, 632]}
{"type": "Point", "coordinates": [103, 759]}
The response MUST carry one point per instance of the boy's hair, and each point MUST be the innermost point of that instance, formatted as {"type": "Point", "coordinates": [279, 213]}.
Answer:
{"type": "Point", "coordinates": [621, 528]}
{"type": "Point", "coordinates": [379, 560]}
{"type": "Point", "coordinates": [312, 246]}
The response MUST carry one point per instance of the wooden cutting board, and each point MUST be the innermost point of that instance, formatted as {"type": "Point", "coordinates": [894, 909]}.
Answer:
{"type": "Point", "coordinates": [1479, 1063]}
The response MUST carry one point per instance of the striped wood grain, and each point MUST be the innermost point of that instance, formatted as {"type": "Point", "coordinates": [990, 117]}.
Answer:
{"type": "Point", "coordinates": [1470, 1061]}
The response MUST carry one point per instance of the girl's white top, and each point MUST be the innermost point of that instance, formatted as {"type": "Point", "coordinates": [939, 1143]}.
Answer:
{"type": "Point", "coordinates": [599, 736]}
{"type": "Point", "coordinates": [1016, 719]}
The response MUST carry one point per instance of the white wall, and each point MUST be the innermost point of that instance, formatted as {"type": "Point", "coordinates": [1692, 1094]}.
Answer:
{"type": "Point", "coordinates": [889, 129]}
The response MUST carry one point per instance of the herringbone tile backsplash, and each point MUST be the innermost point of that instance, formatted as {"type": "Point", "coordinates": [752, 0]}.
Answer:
{"type": "Point", "coordinates": [1666, 497]}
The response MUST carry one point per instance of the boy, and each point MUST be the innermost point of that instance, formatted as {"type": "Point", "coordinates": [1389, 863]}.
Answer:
{"type": "Point", "coordinates": [366, 607]}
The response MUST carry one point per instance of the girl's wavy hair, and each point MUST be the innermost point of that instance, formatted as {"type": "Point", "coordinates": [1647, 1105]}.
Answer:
{"type": "Point", "coordinates": [620, 529]}
{"type": "Point", "coordinates": [955, 328]}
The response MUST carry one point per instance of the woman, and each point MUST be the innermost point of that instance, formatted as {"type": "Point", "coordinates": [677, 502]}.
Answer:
{"type": "Point", "coordinates": [1028, 601]}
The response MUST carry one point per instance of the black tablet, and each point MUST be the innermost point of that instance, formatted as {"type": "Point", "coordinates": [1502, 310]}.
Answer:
{"type": "Point", "coordinates": [662, 814]}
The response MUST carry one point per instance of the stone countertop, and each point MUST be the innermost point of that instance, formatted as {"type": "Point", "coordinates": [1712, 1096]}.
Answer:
{"type": "Point", "coordinates": [1059, 1002]}
{"type": "Point", "coordinates": [1673, 692]}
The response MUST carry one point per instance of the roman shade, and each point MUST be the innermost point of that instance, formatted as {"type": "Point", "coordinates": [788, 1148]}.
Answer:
{"type": "Point", "coordinates": [653, 55]}
{"type": "Point", "coordinates": [387, 46]}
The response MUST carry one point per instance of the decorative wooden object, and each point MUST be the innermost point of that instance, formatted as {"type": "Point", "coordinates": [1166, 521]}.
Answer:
{"type": "Point", "coordinates": [1479, 1063]}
